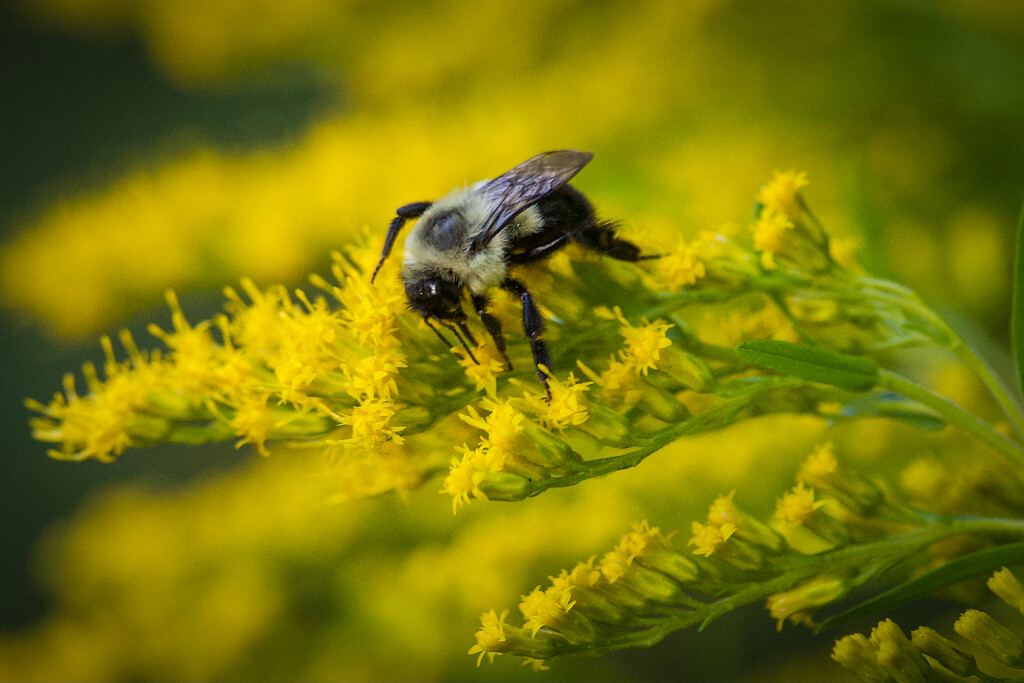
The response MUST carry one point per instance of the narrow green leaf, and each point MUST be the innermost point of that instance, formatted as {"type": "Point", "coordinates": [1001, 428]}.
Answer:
{"type": "Point", "coordinates": [812, 363]}
{"type": "Point", "coordinates": [960, 569]}
{"type": "Point", "coordinates": [1017, 305]}
{"type": "Point", "coordinates": [894, 407]}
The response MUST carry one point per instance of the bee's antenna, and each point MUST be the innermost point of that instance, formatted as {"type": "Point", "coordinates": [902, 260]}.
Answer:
{"type": "Point", "coordinates": [403, 213]}
{"type": "Point", "coordinates": [465, 331]}
{"type": "Point", "coordinates": [462, 339]}
{"type": "Point", "coordinates": [437, 332]}
{"type": "Point", "coordinates": [457, 336]}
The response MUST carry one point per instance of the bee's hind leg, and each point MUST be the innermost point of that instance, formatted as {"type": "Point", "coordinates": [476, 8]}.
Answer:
{"type": "Point", "coordinates": [602, 239]}
{"type": "Point", "coordinates": [493, 326]}
{"type": "Point", "coordinates": [533, 325]}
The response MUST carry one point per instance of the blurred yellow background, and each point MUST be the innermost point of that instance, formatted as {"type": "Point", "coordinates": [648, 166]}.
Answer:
{"type": "Point", "coordinates": [180, 143]}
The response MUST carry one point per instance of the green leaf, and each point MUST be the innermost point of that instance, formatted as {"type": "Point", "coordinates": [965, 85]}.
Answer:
{"type": "Point", "coordinates": [894, 407]}
{"type": "Point", "coordinates": [960, 569]}
{"type": "Point", "coordinates": [1017, 306]}
{"type": "Point", "coordinates": [812, 363]}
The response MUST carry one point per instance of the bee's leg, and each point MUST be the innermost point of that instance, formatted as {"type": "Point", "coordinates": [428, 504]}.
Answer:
{"type": "Point", "coordinates": [533, 325]}
{"type": "Point", "coordinates": [414, 210]}
{"type": "Point", "coordinates": [601, 238]}
{"type": "Point", "coordinates": [493, 326]}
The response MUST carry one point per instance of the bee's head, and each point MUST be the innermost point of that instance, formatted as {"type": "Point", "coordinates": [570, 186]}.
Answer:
{"type": "Point", "coordinates": [435, 297]}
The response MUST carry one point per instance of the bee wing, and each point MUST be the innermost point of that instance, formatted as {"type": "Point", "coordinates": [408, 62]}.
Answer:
{"type": "Point", "coordinates": [516, 189]}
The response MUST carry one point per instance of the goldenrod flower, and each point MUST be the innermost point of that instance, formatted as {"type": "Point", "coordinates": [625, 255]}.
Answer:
{"type": "Point", "coordinates": [798, 605]}
{"type": "Point", "coordinates": [619, 382]}
{"type": "Point", "coordinates": [371, 423]}
{"type": "Point", "coordinates": [859, 655]}
{"type": "Point", "coordinates": [989, 635]}
{"type": "Point", "coordinates": [614, 563]}
{"type": "Point", "coordinates": [944, 651]}
{"type": "Point", "coordinates": [1008, 587]}
{"type": "Point", "coordinates": [484, 370]}
{"type": "Point", "coordinates": [644, 344]}
{"type": "Point", "coordinates": [584, 574]}
{"type": "Point", "coordinates": [681, 266]}
{"type": "Point", "coordinates": [781, 194]}
{"type": "Point", "coordinates": [503, 424]}
{"type": "Point", "coordinates": [566, 407]}
{"type": "Point", "coordinates": [771, 232]}
{"type": "Point", "coordinates": [490, 636]}
{"type": "Point", "coordinates": [463, 480]}
{"type": "Point", "coordinates": [797, 505]}
{"type": "Point", "coordinates": [821, 467]}
{"type": "Point", "coordinates": [547, 607]}
{"type": "Point", "coordinates": [723, 510]}
{"type": "Point", "coordinates": [897, 654]}
{"type": "Point", "coordinates": [708, 538]}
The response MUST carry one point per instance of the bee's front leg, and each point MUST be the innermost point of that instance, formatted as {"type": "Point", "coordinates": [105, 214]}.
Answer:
{"type": "Point", "coordinates": [533, 325]}
{"type": "Point", "coordinates": [493, 326]}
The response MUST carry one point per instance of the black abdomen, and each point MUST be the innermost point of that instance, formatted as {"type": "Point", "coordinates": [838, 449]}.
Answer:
{"type": "Point", "coordinates": [568, 215]}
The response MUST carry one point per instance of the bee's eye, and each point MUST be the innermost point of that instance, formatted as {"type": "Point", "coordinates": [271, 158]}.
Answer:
{"type": "Point", "coordinates": [447, 230]}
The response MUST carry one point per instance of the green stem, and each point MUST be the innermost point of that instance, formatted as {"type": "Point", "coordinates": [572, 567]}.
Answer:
{"type": "Point", "coordinates": [714, 418]}
{"type": "Point", "coordinates": [910, 302]}
{"type": "Point", "coordinates": [995, 385]}
{"type": "Point", "coordinates": [954, 414]}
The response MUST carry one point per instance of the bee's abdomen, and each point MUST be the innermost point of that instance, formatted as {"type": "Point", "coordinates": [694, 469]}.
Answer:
{"type": "Point", "coordinates": [568, 208]}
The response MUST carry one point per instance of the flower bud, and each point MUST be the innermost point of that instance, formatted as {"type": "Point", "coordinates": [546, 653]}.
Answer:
{"type": "Point", "coordinates": [505, 486]}
{"type": "Point", "coordinates": [859, 655]}
{"type": "Point", "coordinates": [897, 654]}
{"type": "Point", "coordinates": [989, 635]}
{"type": "Point", "coordinates": [689, 370]}
{"type": "Point", "coordinates": [549, 451]}
{"type": "Point", "coordinates": [607, 426]}
{"type": "Point", "coordinates": [798, 604]}
{"type": "Point", "coordinates": [944, 651]}
{"type": "Point", "coordinates": [1004, 584]}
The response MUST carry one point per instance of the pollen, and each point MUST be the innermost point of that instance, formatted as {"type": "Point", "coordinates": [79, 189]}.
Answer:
{"type": "Point", "coordinates": [708, 538]}
{"type": "Point", "coordinates": [781, 194]}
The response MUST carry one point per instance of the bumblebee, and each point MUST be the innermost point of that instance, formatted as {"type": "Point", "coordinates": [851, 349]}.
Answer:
{"type": "Point", "coordinates": [471, 238]}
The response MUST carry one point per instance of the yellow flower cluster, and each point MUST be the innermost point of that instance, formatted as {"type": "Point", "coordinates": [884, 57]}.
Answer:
{"type": "Point", "coordinates": [284, 367]}
{"type": "Point", "coordinates": [889, 655]}
{"type": "Point", "coordinates": [578, 600]}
